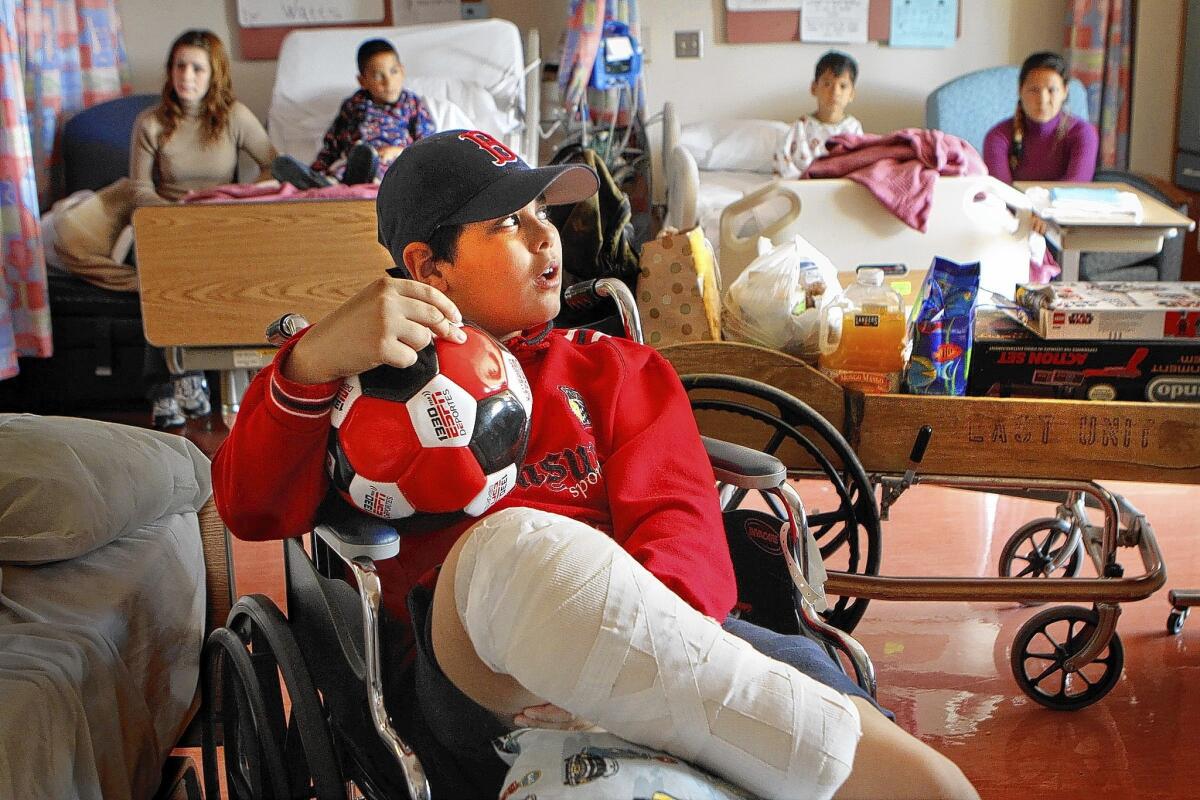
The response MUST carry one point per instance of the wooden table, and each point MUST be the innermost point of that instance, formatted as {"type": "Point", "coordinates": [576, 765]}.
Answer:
{"type": "Point", "coordinates": [1158, 222]}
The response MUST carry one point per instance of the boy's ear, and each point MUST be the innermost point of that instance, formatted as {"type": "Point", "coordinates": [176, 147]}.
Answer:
{"type": "Point", "coordinates": [419, 261]}
{"type": "Point", "coordinates": [812, 89]}
{"type": "Point", "coordinates": [361, 83]}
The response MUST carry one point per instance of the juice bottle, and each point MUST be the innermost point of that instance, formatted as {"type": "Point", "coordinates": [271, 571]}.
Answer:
{"type": "Point", "coordinates": [862, 336]}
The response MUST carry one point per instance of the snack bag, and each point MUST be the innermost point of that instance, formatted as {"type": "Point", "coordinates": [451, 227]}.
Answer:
{"type": "Point", "coordinates": [943, 329]}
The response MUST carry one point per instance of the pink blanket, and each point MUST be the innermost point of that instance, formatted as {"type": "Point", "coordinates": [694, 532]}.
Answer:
{"type": "Point", "coordinates": [272, 190]}
{"type": "Point", "coordinates": [899, 168]}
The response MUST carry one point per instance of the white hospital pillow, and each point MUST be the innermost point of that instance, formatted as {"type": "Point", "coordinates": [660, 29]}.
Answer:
{"type": "Point", "coordinates": [735, 144]}
{"type": "Point", "coordinates": [473, 101]}
{"type": "Point", "coordinates": [447, 115]}
{"type": "Point", "coordinates": [68, 486]}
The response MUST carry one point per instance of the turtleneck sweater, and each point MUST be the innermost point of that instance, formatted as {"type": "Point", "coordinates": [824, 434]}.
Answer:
{"type": "Point", "coordinates": [1045, 156]}
{"type": "Point", "coordinates": [163, 173]}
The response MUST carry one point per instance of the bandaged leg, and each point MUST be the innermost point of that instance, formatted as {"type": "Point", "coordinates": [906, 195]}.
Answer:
{"type": "Point", "coordinates": [565, 611]}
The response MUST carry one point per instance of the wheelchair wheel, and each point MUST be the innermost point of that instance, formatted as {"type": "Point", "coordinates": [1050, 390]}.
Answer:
{"type": "Point", "coordinates": [1043, 645]}
{"type": "Point", "coordinates": [269, 753]}
{"type": "Point", "coordinates": [1032, 547]}
{"type": "Point", "coordinates": [774, 422]}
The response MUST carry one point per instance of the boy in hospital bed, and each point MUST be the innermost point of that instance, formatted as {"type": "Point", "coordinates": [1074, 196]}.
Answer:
{"type": "Point", "coordinates": [573, 601]}
{"type": "Point", "coordinates": [833, 86]}
{"type": "Point", "coordinates": [373, 126]}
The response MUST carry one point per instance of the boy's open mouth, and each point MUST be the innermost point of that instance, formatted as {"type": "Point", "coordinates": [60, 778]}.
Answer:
{"type": "Point", "coordinates": [548, 278]}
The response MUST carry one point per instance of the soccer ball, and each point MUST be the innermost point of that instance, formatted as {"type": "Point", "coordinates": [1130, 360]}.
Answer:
{"type": "Point", "coordinates": [447, 434]}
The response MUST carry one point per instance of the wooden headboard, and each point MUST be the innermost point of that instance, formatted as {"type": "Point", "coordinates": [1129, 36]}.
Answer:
{"type": "Point", "coordinates": [217, 275]}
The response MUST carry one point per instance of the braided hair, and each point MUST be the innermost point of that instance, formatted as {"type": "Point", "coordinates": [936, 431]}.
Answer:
{"type": "Point", "coordinates": [1043, 60]}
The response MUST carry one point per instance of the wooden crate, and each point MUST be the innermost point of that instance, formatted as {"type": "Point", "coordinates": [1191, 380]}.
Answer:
{"type": "Point", "coordinates": [973, 436]}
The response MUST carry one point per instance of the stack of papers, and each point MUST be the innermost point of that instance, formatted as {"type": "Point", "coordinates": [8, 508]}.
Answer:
{"type": "Point", "coordinates": [1068, 205]}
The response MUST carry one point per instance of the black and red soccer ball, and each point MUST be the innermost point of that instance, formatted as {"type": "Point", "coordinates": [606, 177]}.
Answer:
{"type": "Point", "coordinates": [445, 435]}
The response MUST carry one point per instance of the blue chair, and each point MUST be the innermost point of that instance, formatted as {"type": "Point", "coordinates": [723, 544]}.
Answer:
{"type": "Point", "coordinates": [971, 104]}
{"type": "Point", "coordinates": [96, 142]}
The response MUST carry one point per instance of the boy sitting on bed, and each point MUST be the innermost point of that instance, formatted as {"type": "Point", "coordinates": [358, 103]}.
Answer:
{"type": "Point", "coordinates": [374, 126]}
{"type": "Point", "coordinates": [833, 87]}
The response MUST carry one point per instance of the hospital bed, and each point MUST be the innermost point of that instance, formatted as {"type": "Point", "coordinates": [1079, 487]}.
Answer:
{"type": "Point", "coordinates": [719, 163]}
{"type": "Point", "coordinates": [718, 175]}
{"type": "Point", "coordinates": [472, 74]}
{"type": "Point", "coordinates": [113, 568]}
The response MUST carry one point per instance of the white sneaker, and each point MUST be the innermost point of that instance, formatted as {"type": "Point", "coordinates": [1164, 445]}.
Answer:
{"type": "Point", "coordinates": [166, 413]}
{"type": "Point", "coordinates": [191, 394]}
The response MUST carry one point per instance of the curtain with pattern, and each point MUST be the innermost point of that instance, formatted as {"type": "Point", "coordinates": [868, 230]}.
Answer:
{"type": "Point", "coordinates": [1100, 51]}
{"type": "Point", "coordinates": [57, 57]}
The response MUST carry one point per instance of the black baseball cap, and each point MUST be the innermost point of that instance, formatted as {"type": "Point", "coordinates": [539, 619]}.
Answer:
{"type": "Point", "coordinates": [461, 176]}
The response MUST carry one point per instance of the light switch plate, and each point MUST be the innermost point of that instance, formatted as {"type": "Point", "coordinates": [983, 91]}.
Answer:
{"type": "Point", "coordinates": [689, 44]}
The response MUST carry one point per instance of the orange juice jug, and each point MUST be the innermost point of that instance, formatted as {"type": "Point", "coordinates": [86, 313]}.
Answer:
{"type": "Point", "coordinates": [862, 336]}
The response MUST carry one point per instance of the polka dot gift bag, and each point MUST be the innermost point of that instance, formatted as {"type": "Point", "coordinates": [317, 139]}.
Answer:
{"type": "Point", "coordinates": [679, 290]}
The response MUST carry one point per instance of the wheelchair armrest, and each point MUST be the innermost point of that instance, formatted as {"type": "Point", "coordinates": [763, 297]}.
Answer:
{"type": "Point", "coordinates": [742, 467]}
{"type": "Point", "coordinates": [352, 534]}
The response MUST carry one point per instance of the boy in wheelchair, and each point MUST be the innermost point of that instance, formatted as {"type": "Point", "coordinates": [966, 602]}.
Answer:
{"type": "Point", "coordinates": [590, 594]}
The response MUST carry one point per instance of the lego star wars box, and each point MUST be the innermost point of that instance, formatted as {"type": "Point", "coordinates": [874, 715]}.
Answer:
{"type": "Point", "coordinates": [1009, 360]}
{"type": "Point", "coordinates": [1141, 310]}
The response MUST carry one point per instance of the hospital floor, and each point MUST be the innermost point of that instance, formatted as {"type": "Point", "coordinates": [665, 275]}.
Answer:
{"type": "Point", "coordinates": [944, 667]}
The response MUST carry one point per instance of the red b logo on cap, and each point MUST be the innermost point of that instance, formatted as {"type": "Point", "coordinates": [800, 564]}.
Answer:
{"type": "Point", "coordinates": [500, 154]}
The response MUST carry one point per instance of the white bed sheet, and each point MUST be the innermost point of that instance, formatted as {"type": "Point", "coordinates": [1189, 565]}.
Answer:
{"type": "Point", "coordinates": [99, 663]}
{"type": "Point", "coordinates": [469, 73]}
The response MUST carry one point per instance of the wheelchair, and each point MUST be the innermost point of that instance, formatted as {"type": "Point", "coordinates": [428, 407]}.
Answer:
{"type": "Point", "coordinates": [309, 705]}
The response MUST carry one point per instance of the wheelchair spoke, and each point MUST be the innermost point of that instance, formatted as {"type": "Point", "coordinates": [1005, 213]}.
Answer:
{"type": "Point", "coordinates": [852, 526]}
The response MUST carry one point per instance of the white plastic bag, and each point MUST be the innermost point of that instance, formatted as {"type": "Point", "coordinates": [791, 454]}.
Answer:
{"type": "Point", "coordinates": [776, 302]}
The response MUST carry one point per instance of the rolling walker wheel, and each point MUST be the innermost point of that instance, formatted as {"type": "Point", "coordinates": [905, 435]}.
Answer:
{"type": "Point", "coordinates": [1043, 645]}
{"type": "Point", "coordinates": [1029, 551]}
{"type": "Point", "coordinates": [1175, 620]}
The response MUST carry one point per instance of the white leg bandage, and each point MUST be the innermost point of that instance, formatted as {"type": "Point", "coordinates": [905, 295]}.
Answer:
{"type": "Point", "coordinates": [574, 619]}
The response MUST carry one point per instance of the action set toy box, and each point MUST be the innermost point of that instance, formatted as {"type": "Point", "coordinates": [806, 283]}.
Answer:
{"type": "Point", "coordinates": [1009, 360]}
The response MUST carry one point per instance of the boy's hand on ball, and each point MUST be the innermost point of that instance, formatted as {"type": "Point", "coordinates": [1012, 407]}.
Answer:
{"type": "Point", "coordinates": [387, 322]}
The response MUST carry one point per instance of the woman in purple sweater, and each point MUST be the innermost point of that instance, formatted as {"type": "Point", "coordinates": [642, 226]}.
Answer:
{"type": "Point", "coordinates": [1041, 141]}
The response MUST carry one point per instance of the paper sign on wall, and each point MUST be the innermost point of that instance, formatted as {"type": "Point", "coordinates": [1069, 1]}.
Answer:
{"type": "Point", "coordinates": [415, 12]}
{"type": "Point", "coordinates": [924, 23]}
{"type": "Point", "coordinates": [271, 13]}
{"type": "Point", "coordinates": [834, 20]}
